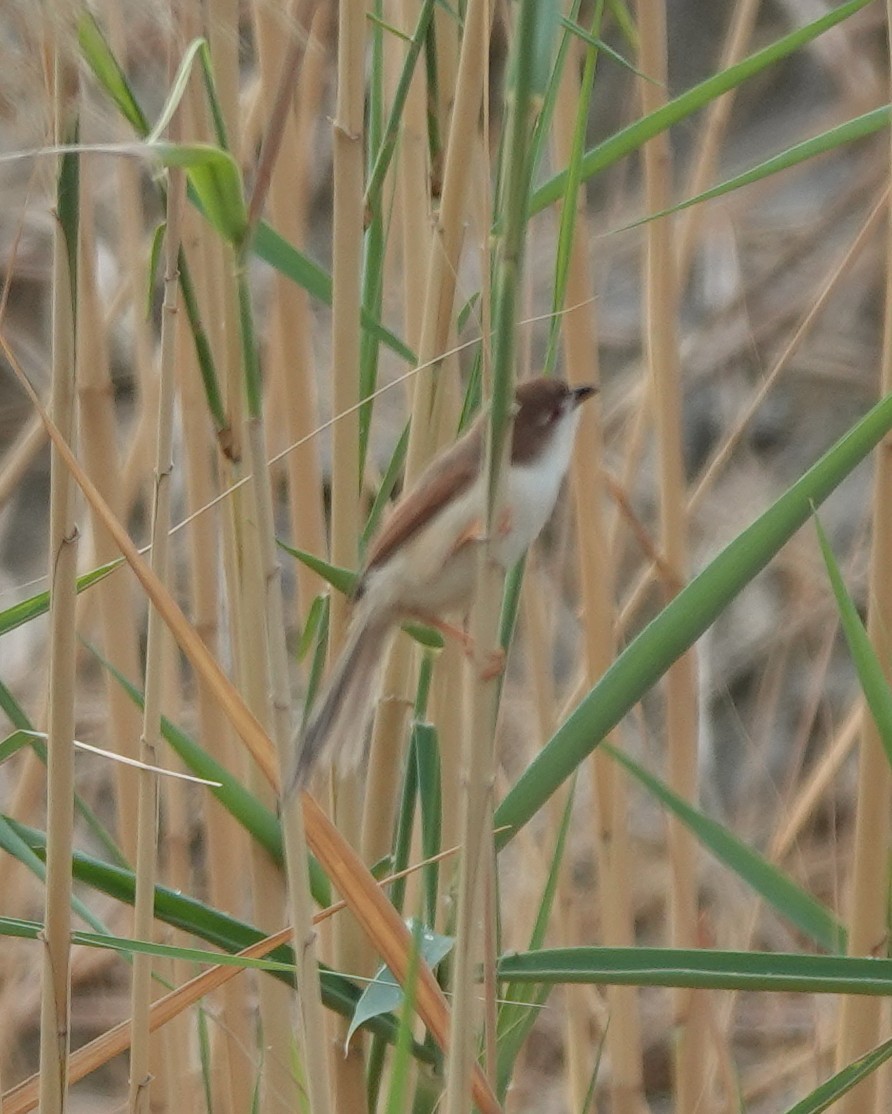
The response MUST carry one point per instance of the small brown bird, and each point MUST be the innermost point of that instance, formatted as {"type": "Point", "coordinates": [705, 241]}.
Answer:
{"type": "Point", "coordinates": [421, 565]}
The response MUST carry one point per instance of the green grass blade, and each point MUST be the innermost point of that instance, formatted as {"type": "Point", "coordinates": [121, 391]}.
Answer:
{"type": "Point", "coordinates": [682, 622]}
{"type": "Point", "coordinates": [385, 491]}
{"type": "Point", "coordinates": [394, 120]}
{"type": "Point", "coordinates": [849, 132]}
{"type": "Point", "coordinates": [703, 969]}
{"type": "Point", "coordinates": [384, 994]}
{"type": "Point", "coordinates": [426, 755]}
{"type": "Point", "coordinates": [19, 719]}
{"type": "Point", "coordinates": [177, 89]}
{"type": "Point", "coordinates": [12, 843]}
{"type": "Point", "coordinates": [111, 78]}
{"type": "Point", "coordinates": [569, 205]}
{"type": "Point", "coordinates": [24, 612]}
{"type": "Point", "coordinates": [285, 258]}
{"type": "Point", "coordinates": [781, 893]}
{"type": "Point", "coordinates": [30, 930]}
{"type": "Point", "coordinates": [871, 676]}
{"type": "Point", "coordinates": [520, 1004]}
{"type": "Point", "coordinates": [629, 139]}
{"type": "Point", "coordinates": [344, 580]}
{"type": "Point", "coordinates": [823, 1097]}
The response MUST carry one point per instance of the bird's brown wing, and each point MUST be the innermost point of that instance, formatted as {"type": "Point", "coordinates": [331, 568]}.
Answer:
{"type": "Point", "coordinates": [449, 475]}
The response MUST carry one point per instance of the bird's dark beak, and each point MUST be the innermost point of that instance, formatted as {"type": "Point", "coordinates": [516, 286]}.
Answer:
{"type": "Point", "coordinates": [580, 394]}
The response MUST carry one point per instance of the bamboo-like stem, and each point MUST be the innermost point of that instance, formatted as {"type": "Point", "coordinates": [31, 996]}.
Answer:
{"type": "Point", "coordinates": [291, 322]}
{"type": "Point", "coordinates": [55, 1001]}
{"type": "Point", "coordinates": [430, 331]}
{"type": "Point", "coordinates": [412, 217]}
{"type": "Point", "coordinates": [275, 652]}
{"type": "Point", "coordinates": [680, 688]}
{"type": "Point", "coordinates": [181, 1083]}
{"type": "Point", "coordinates": [242, 561]}
{"type": "Point", "coordinates": [150, 741]}
{"type": "Point", "coordinates": [861, 1023]}
{"type": "Point", "coordinates": [610, 834]}
{"type": "Point", "coordinates": [98, 438]}
{"type": "Point", "coordinates": [230, 1068]}
{"type": "Point", "coordinates": [481, 702]}
{"type": "Point", "coordinates": [448, 235]}
{"type": "Point", "coordinates": [225, 838]}
{"type": "Point", "coordinates": [348, 217]}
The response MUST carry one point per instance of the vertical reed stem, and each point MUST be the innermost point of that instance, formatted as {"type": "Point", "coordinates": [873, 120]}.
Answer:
{"type": "Point", "coordinates": [55, 1002]}
{"type": "Point", "coordinates": [680, 688]}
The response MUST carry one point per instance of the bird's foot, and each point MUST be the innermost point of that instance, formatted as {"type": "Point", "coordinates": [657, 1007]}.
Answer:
{"type": "Point", "coordinates": [493, 661]}
{"type": "Point", "coordinates": [494, 665]}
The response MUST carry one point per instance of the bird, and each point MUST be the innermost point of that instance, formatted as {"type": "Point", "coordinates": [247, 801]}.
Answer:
{"type": "Point", "coordinates": [421, 565]}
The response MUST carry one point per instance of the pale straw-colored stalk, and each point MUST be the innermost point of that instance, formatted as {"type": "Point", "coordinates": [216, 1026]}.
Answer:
{"type": "Point", "coordinates": [270, 649]}
{"type": "Point", "coordinates": [433, 421]}
{"type": "Point", "coordinates": [481, 695]}
{"type": "Point", "coordinates": [231, 1065]}
{"type": "Point", "coordinates": [861, 1024]}
{"type": "Point", "coordinates": [225, 839]}
{"type": "Point", "coordinates": [448, 233]}
{"type": "Point", "coordinates": [100, 456]}
{"type": "Point", "coordinates": [680, 688]}
{"type": "Point", "coordinates": [172, 1047]}
{"type": "Point", "coordinates": [348, 127]}
{"type": "Point", "coordinates": [55, 1002]}
{"type": "Point", "coordinates": [255, 586]}
{"type": "Point", "coordinates": [609, 830]}
{"type": "Point", "coordinates": [150, 741]}
{"type": "Point", "coordinates": [291, 360]}
{"type": "Point", "coordinates": [411, 225]}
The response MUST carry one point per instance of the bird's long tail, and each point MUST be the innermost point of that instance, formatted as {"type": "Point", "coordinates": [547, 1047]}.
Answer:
{"type": "Point", "coordinates": [338, 722]}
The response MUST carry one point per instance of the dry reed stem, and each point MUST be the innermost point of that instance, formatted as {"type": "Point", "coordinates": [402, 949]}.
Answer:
{"type": "Point", "coordinates": [270, 670]}
{"type": "Point", "coordinates": [609, 831]}
{"type": "Point", "coordinates": [480, 696]}
{"type": "Point", "coordinates": [231, 1084]}
{"type": "Point", "coordinates": [348, 151]}
{"type": "Point", "coordinates": [150, 740]}
{"type": "Point", "coordinates": [98, 438]}
{"type": "Point", "coordinates": [55, 1005]}
{"type": "Point", "coordinates": [290, 197]}
{"type": "Point", "coordinates": [860, 1024]}
{"type": "Point", "coordinates": [809, 795]}
{"type": "Point", "coordinates": [411, 226]}
{"type": "Point", "coordinates": [680, 688]}
{"type": "Point", "coordinates": [448, 234]}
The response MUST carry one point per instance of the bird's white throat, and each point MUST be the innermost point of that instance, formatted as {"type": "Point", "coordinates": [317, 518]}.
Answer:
{"type": "Point", "coordinates": [533, 490]}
